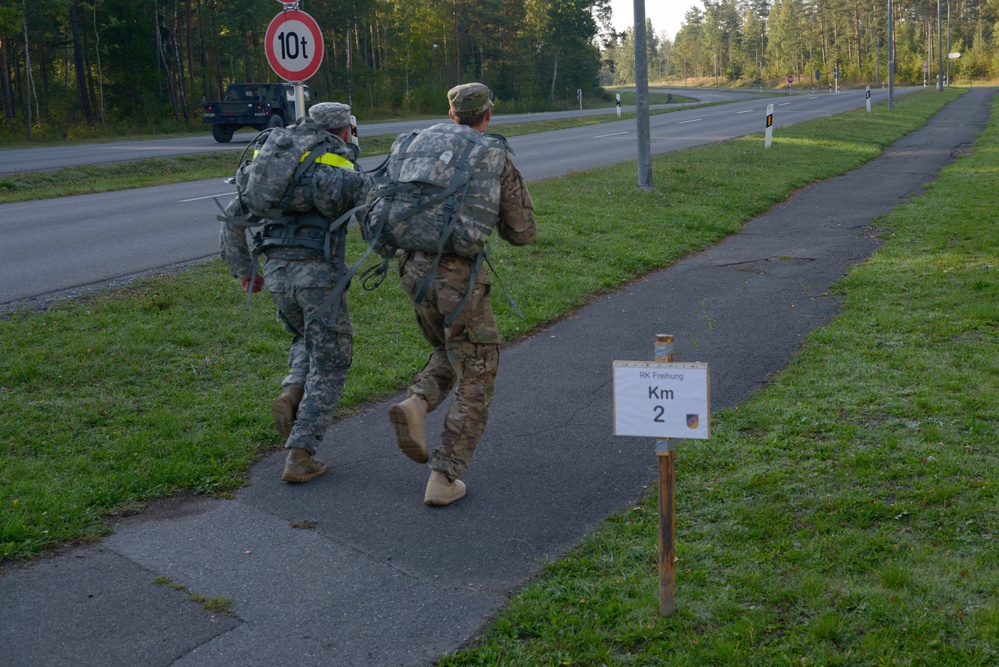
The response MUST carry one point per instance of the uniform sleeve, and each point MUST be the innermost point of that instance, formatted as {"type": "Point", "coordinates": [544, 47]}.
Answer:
{"type": "Point", "coordinates": [516, 224]}
{"type": "Point", "coordinates": [233, 246]}
{"type": "Point", "coordinates": [336, 190]}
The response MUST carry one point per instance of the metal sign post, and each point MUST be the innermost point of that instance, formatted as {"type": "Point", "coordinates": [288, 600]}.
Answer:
{"type": "Point", "coordinates": [295, 48]}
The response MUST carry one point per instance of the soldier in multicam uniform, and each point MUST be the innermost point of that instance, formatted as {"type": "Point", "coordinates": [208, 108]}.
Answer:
{"type": "Point", "coordinates": [300, 280]}
{"type": "Point", "coordinates": [466, 353]}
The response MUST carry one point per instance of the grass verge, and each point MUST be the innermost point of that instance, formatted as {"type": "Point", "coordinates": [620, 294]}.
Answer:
{"type": "Point", "coordinates": [846, 514]}
{"type": "Point", "coordinates": [94, 178]}
{"type": "Point", "coordinates": [162, 387]}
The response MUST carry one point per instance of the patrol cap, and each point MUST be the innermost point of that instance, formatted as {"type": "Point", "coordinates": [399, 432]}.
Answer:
{"type": "Point", "coordinates": [331, 115]}
{"type": "Point", "coordinates": [469, 99]}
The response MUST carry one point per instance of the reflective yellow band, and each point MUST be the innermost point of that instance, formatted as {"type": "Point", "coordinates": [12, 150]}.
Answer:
{"type": "Point", "coordinates": [331, 159]}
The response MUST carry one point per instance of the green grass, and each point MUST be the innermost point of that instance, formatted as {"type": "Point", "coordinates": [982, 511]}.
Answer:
{"type": "Point", "coordinates": [163, 387]}
{"type": "Point", "coordinates": [89, 179]}
{"type": "Point", "coordinates": [846, 514]}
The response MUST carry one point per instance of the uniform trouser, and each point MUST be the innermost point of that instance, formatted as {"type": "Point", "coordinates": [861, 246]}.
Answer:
{"type": "Point", "coordinates": [465, 357]}
{"type": "Point", "coordinates": [321, 348]}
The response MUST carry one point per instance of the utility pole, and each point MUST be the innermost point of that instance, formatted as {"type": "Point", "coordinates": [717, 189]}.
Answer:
{"type": "Point", "coordinates": [891, 59]}
{"type": "Point", "coordinates": [642, 98]}
{"type": "Point", "coordinates": [940, 68]}
{"type": "Point", "coordinates": [948, 43]}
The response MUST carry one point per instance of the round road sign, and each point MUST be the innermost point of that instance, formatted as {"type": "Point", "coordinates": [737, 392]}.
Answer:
{"type": "Point", "coordinates": [790, 78]}
{"type": "Point", "coordinates": [294, 45]}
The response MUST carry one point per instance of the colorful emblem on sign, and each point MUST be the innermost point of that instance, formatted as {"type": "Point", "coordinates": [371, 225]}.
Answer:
{"type": "Point", "coordinates": [693, 421]}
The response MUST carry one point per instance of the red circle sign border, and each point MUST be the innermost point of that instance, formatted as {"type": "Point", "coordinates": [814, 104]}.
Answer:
{"type": "Point", "coordinates": [790, 78]}
{"type": "Point", "coordinates": [310, 23]}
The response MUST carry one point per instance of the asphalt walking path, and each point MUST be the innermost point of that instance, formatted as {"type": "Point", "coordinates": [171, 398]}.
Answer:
{"type": "Point", "coordinates": [352, 569]}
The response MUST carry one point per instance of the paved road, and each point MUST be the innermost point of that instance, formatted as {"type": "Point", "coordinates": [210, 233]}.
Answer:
{"type": "Point", "coordinates": [119, 236]}
{"type": "Point", "coordinates": [58, 157]}
{"type": "Point", "coordinates": [384, 580]}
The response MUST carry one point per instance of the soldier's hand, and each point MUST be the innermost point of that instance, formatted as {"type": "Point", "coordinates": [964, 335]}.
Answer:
{"type": "Point", "coordinates": [254, 282]}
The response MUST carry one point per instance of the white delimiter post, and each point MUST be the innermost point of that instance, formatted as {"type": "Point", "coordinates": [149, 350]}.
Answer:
{"type": "Point", "coordinates": [770, 126]}
{"type": "Point", "coordinates": [667, 502]}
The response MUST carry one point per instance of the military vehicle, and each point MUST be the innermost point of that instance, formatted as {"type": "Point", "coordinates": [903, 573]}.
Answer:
{"type": "Point", "coordinates": [256, 105]}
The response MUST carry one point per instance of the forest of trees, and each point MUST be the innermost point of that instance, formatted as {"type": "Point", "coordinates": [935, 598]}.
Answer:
{"type": "Point", "coordinates": [69, 65]}
{"type": "Point", "coordinates": [149, 63]}
{"type": "Point", "coordinates": [761, 42]}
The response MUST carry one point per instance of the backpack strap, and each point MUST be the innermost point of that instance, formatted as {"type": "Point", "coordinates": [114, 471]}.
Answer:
{"type": "Point", "coordinates": [304, 164]}
{"type": "Point", "coordinates": [339, 227]}
{"type": "Point", "coordinates": [461, 179]}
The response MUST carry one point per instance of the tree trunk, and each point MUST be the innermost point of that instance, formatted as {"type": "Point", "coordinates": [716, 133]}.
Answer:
{"type": "Point", "coordinates": [554, 77]}
{"type": "Point", "coordinates": [8, 93]}
{"type": "Point", "coordinates": [100, 69]}
{"type": "Point", "coordinates": [29, 85]}
{"type": "Point", "coordinates": [81, 79]}
{"type": "Point", "coordinates": [856, 28]}
{"type": "Point", "coordinates": [162, 58]}
{"type": "Point", "coordinates": [178, 61]}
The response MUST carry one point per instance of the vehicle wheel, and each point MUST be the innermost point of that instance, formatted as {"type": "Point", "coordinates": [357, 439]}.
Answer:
{"type": "Point", "coordinates": [275, 121]}
{"type": "Point", "coordinates": [222, 133]}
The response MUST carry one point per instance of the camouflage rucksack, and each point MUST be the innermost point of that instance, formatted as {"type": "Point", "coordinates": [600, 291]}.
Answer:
{"type": "Point", "coordinates": [277, 178]}
{"type": "Point", "coordinates": [438, 192]}
{"type": "Point", "coordinates": [275, 196]}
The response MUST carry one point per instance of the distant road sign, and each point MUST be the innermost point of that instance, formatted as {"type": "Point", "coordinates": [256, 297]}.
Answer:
{"type": "Point", "coordinates": [954, 55]}
{"type": "Point", "coordinates": [790, 78]}
{"type": "Point", "coordinates": [294, 45]}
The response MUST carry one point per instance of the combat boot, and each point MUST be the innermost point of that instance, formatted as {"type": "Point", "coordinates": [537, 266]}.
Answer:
{"type": "Point", "coordinates": [301, 467]}
{"type": "Point", "coordinates": [442, 491]}
{"type": "Point", "coordinates": [285, 408]}
{"type": "Point", "coordinates": [410, 421]}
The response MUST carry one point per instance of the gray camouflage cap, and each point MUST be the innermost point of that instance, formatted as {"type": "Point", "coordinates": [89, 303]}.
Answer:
{"type": "Point", "coordinates": [330, 115]}
{"type": "Point", "coordinates": [469, 99]}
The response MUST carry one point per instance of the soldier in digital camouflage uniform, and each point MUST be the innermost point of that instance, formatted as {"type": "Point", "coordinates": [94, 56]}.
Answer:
{"type": "Point", "coordinates": [466, 353]}
{"type": "Point", "coordinates": [299, 280]}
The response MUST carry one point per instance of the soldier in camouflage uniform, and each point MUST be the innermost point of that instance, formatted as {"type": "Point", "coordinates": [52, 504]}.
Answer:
{"type": "Point", "coordinates": [466, 353]}
{"type": "Point", "coordinates": [299, 280]}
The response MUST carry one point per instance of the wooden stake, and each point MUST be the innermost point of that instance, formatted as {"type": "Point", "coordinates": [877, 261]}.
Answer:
{"type": "Point", "coordinates": [667, 502]}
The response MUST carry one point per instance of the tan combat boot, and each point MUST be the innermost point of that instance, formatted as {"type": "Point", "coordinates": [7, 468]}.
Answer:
{"type": "Point", "coordinates": [301, 467]}
{"type": "Point", "coordinates": [442, 491]}
{"type": "Point", "coordinates": [285, 408]}
{"type": "Point", "coordinates": [410, 421]}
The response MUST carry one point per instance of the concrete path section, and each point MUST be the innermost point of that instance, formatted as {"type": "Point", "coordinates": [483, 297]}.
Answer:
{"type": "Point", "coordinates": [352, 569]}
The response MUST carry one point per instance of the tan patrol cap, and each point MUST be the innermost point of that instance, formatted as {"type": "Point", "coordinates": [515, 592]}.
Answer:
{"type": "Point", "coordinates": [331, 115]}
{"type": "Point", "coordinates": [469, 99]}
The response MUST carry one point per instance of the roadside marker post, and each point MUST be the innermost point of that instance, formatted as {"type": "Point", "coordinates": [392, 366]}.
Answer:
{"type": "Point", "coordinates": [667, 401]}
{"type": "Point", "coordinates": [770, 125]}
{"type": "Point", "coordinates": [868, 99]}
